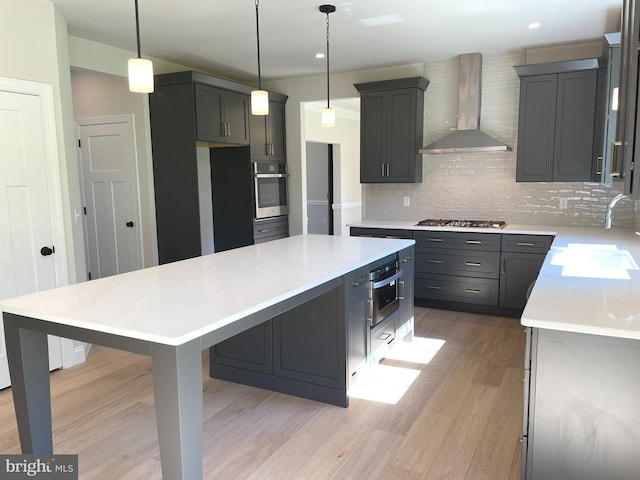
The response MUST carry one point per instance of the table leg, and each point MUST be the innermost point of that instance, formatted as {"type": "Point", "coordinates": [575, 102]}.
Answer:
{"type": "Point", "coordinates": [177, 387]}
{"type": "Point", "coordinates": [28, 356]}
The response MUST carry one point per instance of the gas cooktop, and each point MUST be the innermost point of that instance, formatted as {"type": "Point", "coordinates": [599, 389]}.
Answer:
{"type": "Point", "coordinates": [432, 222]}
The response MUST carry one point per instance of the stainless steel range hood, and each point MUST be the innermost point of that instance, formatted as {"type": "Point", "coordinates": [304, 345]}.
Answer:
{"type": "Point", "coordinates": [468, 137]}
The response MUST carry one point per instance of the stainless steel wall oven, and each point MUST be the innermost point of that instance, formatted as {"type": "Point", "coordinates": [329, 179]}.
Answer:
{"type": "Point", "coordinates": [270, 184]}
{"type": "Point", "coordinates": [383, 291]}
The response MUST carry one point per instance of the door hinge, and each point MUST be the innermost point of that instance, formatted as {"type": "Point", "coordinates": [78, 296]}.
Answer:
{"type": "Point", "coordinates": [79, 144]}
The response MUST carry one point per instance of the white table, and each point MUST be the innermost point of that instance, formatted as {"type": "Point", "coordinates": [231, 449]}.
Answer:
{"type": "Point", "coordinates": [172, 313]}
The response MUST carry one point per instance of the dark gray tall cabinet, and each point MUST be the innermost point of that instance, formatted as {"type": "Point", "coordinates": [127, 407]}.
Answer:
{"type": "Point", "coordinates": [191, 110]}
{"type": "Point", "coordinates": [391, 130]}
{"type": "Point", "coordinates": [556, 121]}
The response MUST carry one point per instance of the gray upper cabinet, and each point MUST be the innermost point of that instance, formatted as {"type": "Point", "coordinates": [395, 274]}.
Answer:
{"type": "Point", "coordinates": [268, 139]}
{"type": "Point", "coordinates": [628, 102]}
{"type": "Point", "coordinates": [221, 116]}
{"type": "Point", "coordinates": [556, 124]}
{"type": "Point", "coordinates": [391, 120]}
{"type": "Point", "coordinates": [608, 167]}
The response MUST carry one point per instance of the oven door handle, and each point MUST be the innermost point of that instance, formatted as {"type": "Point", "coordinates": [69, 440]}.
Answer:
{"type": "Point", "coordinates": [270, 175]}
{"type": "Point", "coordinates": [387, 281]}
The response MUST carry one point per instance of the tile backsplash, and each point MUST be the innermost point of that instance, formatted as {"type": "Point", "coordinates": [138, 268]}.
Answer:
{"type": "Point", "coordinates": [482, 185]}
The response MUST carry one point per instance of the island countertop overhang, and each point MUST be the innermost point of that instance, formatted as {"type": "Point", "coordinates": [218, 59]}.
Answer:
{"type": "Point", "coordinates": [175, 303]}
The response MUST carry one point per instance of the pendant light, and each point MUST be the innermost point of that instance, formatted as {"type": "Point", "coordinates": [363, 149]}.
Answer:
{"type": "Point", "coordinates": [328, 114]}
{"type": "Point", "coordinates": [259, 98]}
{"type": "Point", "coordinates": [140, 69]}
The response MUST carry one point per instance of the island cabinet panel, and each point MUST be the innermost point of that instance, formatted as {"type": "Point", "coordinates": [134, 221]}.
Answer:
{"type": "Point", "coordinates": [221, 115]}
{"type": "Point", "coordinates": [301, 352]}
{"type": "Point", "coordinates": [581, 407]}
{"type": "Point", "coordinates": [251, 350]}
{"type": "Point", "coordinates": [309, 342]}
{"type": "Point", "coordinates": [406, 293]}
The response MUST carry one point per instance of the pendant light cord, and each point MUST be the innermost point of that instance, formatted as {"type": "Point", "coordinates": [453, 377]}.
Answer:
{"type": "Point", "coordinates": [328, 106]}
{"type": "Point", "coordinates": [137, 29]}
{"type": "Point", "coordinates": [258, 44]}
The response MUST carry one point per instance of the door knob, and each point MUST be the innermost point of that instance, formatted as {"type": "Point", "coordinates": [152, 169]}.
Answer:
{"type": "Point", "coordinates": [46, 251]}
{"type": "Point", "coordinates": [129, 224]}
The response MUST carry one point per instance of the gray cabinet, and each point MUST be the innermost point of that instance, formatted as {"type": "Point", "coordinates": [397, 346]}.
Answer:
{"type": "Point", "coordinates": [607, 167]}
{"type": "Point", "coordinates": [391, 123]}
{"type": "Point", "coordinates": [461, 267]}
{"type": "Point", "coordinates": [521, 259]}
{"type": "Point", "coordinates": [380, 232]}
{"type": "Point", "coordinates": [268, 229]}
{"type": "Point", "coordinates": [405, 320]}
{"type": "Point", "coordinates": [268, 139]}
{"type": "Point", "coordinates": [357, 287]}
{"type": "Point", "coordinates": [222, 116]}
{"type": "Point", "coordinates": [628, 102]}
{"type": "Point", "coordinates": [556, 125]}
{"type": "Point", "coordinates": [580, 407]}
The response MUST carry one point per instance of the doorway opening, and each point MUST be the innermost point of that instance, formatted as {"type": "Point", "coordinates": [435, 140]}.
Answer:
{"type": "Point", "coordinates": [320, 188]}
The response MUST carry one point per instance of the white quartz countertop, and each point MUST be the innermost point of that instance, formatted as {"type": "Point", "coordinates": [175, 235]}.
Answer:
{"type": "Point", "coordinates": [589, 282]}
{"type": "Point", "coordinates": [178, 302]}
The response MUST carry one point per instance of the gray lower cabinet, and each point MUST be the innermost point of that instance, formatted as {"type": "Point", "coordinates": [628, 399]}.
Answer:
{"type": "Point", "coordinates": [459, 267]}
{"type": "Point", "coordinates": [521, 259]}
{"type": "Point", "coordinates": [268, 229]}
{"type": "Point", "coordinates": [556, 127]}
{"type": "Point", "coordinates": [406, 293]}
{"type": "Point", "coordinates": [581, 412]}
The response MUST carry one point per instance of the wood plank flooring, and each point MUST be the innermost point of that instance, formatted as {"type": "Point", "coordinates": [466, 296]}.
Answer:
{"type": "Point", "coordinates": [460, 417]}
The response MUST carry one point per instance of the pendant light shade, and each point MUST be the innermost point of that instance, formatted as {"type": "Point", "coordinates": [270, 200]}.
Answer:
{"type": "Point", "coordinates": [328, 114]}
{"type": "Point", "coordinates": [140, 69]}
{"type": "Point", "coordinates": [259, 98]}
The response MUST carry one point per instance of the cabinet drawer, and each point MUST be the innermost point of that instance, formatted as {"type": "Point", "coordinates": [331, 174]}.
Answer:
{"type": "Point", "coordinates": [461, 240]}
{"type": "Point", "coordinates": [270, 228]}
{"type": "Point", "coordinates": [468, 263]}
{"type": "Point", "coordinates": [526, 243]}
{"type": "Point", "coordinates": [481, 291]}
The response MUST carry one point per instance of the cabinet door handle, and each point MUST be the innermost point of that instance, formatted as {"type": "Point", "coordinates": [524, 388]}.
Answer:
{"type": "Point", "coordinates": [434, 239]}
{"type": "Point", "coordinates": [387, 169]}
{"type": "Point", "coordinates": [473, 264]}
{"type": "Point", "coordinates": [434, 287]}
{"type": "Point", "coordinates": [474, 242]}
{"type": "Point", "coordinates": [430, 260]}
{"type": "Point", "coordinates": [358, 282]}
{"type": "Point", "coordinates": [504, 265]}
{"type": "Point", "coordinates": [614, 171]}
{"type": "Point", "coordinates": [382, 171]}
{"type": "Point", "coordinates": [401, 290]}
{"type": "Point", "coordinates": [471, 290]}
{"type": "Point", "coordinates": [526, 244]}
{"type": "Point", "coordinates": [406, 259]}
{"type": "Point", "coordinates": [599, 165]}
{"type": "Point", "coordinates": [264, 230]}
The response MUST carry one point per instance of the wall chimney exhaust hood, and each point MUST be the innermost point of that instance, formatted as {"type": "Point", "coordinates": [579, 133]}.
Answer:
{"type": "Point", "coordinates": [468, 137]}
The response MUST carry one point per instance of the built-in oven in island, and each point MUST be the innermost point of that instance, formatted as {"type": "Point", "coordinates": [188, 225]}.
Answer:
{"type": "Point", "coordinates": [383, 291]}
{"type": "Point", "coordinates": [270, 184]}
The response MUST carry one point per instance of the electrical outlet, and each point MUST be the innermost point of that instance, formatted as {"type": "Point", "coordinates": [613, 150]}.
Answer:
{"type": "Point", "coordinates": [563, 203]}
{"type": "Point", "coordinates": [406, 201]}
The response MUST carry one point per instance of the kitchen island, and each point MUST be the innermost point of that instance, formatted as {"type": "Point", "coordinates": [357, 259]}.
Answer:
{"type": "Point", "coordinates": [172, 313]}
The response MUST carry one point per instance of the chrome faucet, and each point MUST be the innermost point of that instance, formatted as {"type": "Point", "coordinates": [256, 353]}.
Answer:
{"type": "Point", "coordinates": [612, 203]}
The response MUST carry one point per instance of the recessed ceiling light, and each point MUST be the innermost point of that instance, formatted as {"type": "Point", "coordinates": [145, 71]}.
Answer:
{"type": "Point", "coordinates": [319, 55]}
{"type": "Point", "coordinates": [534, 25]}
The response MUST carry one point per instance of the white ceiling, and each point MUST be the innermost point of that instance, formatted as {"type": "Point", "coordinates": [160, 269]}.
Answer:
{"type": "Point", "coordinates": [219, 35]}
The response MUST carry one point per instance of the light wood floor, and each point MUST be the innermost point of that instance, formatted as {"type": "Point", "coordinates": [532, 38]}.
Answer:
{"type": "Point", "coordinates": [459, 419]}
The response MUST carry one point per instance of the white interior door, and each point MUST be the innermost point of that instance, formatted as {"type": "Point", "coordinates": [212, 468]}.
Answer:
{"type": "Point", "coordinates": [109, 179]}
{"type": "Point", "coordinates": [25, 215]}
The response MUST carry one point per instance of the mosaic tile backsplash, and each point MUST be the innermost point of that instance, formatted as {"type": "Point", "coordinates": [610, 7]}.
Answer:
{"type": "Point", "coordinates": [482, 185]}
